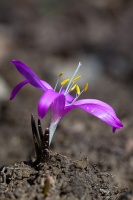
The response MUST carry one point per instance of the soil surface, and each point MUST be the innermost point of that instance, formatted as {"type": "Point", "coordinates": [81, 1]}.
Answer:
{"type": "Point", "coordinates": [59, 178]}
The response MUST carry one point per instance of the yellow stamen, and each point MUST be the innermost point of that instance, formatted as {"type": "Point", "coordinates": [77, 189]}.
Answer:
{"type": "Point", "coordinates": [72, 88]}
{"type": "Point", "coordinates": [60, 74]}
{"type": "Point", "coordinates": [76, 78]}
{"type": "Point", "coordinates": [77, 89]}
{"type": "Point", "coordinates": [65, 81]}
{"type": "Point", "coordinates": [86, 87]}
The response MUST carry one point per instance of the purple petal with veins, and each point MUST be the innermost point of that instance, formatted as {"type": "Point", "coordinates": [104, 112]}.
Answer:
{"type": "Point", "coordinates": [99, 109]}
{"type": "Point", "coordinates": [29, 75]}
{"type": "Point", "coordinates": [46, 100]}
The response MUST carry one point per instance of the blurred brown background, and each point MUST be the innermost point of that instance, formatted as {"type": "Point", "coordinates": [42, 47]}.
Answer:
{"type": "Point", "coordinates": [53, 36]}
{"type": "Point", "coordinates": [98, 31]}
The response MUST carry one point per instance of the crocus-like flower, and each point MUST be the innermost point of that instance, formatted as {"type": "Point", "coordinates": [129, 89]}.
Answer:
{"type": "Point", "coordinates": [62, 102]}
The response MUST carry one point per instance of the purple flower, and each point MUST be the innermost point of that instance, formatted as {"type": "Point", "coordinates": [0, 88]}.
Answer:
{"type": "Point", "coordinates": [62, 102]}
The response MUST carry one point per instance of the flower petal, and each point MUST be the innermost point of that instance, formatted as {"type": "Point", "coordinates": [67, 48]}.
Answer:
{"type": "Point", "coordinates": [46, 85]}
{"type": "Point", "coordinates": [29, 75]}
{"type": "Point", "coordinates": [57, 108]}
{"type": "Point", "coordinates": [45, 101]}
{"type": "Point", "coordinates": [17, 88]}
{"type": "Point", "coordinates": [99, 109]}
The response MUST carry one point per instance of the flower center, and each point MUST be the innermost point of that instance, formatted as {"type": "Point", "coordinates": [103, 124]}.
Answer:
{"type": "Point", "coordinates": [72, 85]}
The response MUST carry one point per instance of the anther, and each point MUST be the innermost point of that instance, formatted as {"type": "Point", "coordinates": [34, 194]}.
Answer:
{"type": "Point", "coordinates": [86, 87]}
{"type": "Point", "coordinates": [76, 78]}
{"type": "Point", "coordinates": [78, 89]}
{"type": "Point", "coordinates": [58, 80]}
{"type": "Point", "coordinates": [72, 88]}
{"type": "Point", "coordinates": [60, 74]}
{"type": "Point", "coordinates": [65, 81]}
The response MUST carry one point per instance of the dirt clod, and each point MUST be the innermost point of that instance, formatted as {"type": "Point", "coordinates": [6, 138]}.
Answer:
{"type": "Point", "coordinates": [60, 178]}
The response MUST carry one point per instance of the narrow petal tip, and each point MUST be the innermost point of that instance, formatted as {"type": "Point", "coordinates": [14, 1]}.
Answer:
{"type": "Point", "coordinates": [13, 61]}
{"type": "Point", "coordinates": [17, 88]}
{"type": "Point", "coordinates": [11, 97]}
{"type": "Point", "coordinates": [119, 126]}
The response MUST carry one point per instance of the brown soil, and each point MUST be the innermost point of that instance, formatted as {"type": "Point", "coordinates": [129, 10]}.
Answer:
{"type": "Point", "coordinates": [59, 178]}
